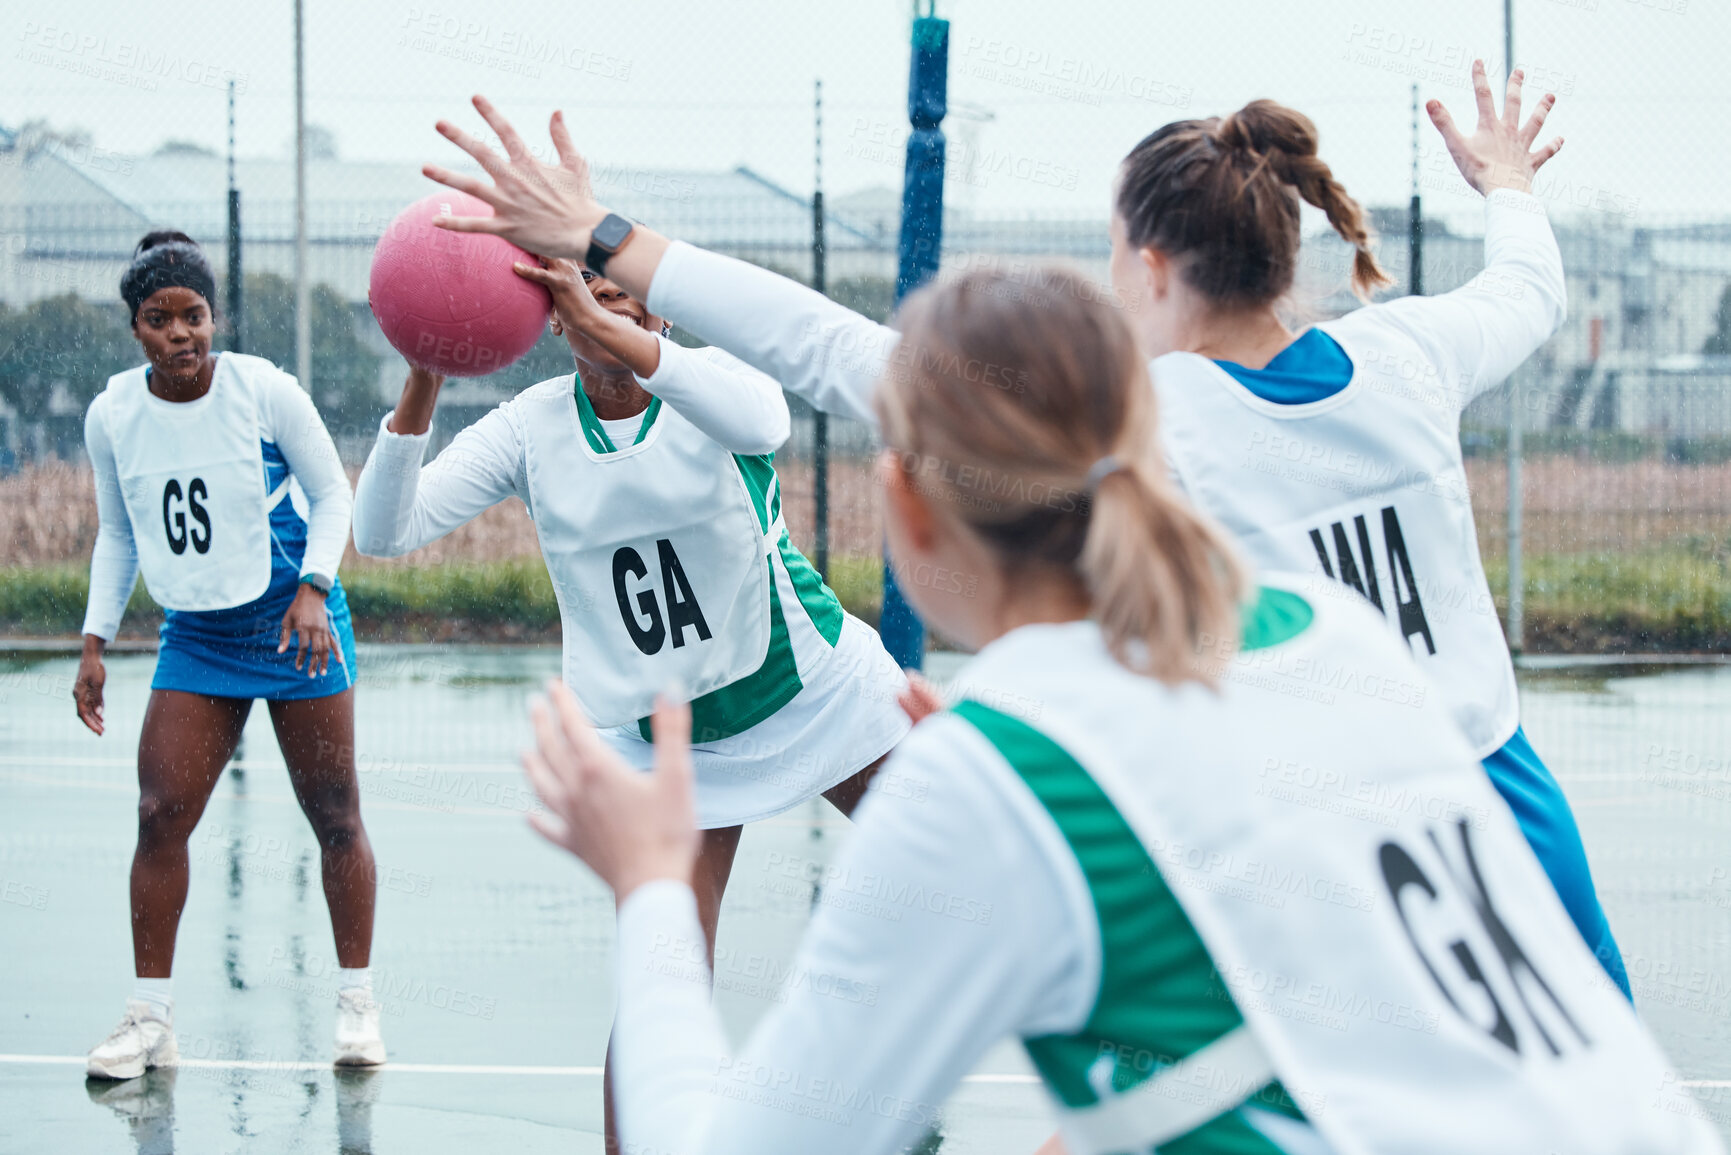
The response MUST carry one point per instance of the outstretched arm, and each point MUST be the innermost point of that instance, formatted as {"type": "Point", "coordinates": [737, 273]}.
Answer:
{"type": "Point", "coordinates": [819, 350]}
{"type": "Point", "coordinates": [814, 347]}
{"type": "Point", "coordinates": [401, 506]}
{"type": "Point", "coordinates": [1478, 334]}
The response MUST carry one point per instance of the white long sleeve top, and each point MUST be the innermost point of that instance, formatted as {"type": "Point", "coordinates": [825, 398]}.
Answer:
{"type": "Point", "coordinates": [401, 505]}
{"type": "Point", "coordinates": [1367, 487]}
{"type": "Point", "coordinates": [974, 903]}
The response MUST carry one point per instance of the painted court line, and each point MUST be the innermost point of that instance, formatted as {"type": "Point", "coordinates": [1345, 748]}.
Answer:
{"type": "Point", "coordinates": [367, 766]}
{"type": "Point", "coordinates": [487, 1069]}
{"type": "Point", "coordinates": [272, 799]}
{"type": "Point", "coordinates": [410, 1068]}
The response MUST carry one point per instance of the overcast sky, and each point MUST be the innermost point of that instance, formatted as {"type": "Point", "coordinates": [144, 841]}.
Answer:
{"type": "Point", "coordinates": [1046, 97]}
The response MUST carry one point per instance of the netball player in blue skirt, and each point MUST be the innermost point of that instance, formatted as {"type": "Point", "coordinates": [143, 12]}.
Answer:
{"type": "Point", "coordinates": [217, 479]}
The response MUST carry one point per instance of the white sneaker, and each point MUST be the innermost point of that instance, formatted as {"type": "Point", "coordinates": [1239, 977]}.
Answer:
{"type": "Point", "coordinates": [358, 1041]}
{"type": "Point", "coordinates": [140, 1042]}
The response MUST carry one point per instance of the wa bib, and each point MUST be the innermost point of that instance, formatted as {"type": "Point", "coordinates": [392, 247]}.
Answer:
{"type": "Point", "coordinates": [657, 552]}
{"type": "Point", "coordinates": [192, 476]}
{"type": "Point", "coordinates": [1365, 491]}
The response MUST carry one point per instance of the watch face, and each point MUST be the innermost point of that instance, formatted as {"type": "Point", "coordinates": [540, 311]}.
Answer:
{"type": "Point", "coordinates": [611, 232]}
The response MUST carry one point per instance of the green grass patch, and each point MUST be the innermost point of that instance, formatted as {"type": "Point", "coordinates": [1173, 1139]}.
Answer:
{"type": "Point", "coordinates": [859, 583]}
{"type": "Point", "coordinates": [50, 600]}
{"type": "Point", "coordinates": [1659, 600]}
{"type": "Point", "coordinates": [1676, 599]}
{"type": "Point", "coordinates": [516, 591]}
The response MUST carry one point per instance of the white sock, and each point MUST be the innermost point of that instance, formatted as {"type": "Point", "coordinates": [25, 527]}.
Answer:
{"type": "Point", "coordinates": [158, 993]}
{"type": "Point", "coordinates": [355, 979]}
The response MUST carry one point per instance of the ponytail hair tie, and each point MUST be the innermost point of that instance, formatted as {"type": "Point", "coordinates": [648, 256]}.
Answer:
{"type": "Point", "coordinates": [1101, 470]}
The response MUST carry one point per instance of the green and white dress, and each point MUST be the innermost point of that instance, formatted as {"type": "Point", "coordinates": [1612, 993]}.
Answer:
{"type": "Point", "coordinates": [1288, 914]}
{"type": "Point", "coordinates": [670, 558]}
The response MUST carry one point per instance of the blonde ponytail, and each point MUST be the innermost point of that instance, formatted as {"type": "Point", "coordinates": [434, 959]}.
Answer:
{"type": "Point", "coordinates": [1162, 580]}
{"type": "Point", "coordinates": [1026, 411]}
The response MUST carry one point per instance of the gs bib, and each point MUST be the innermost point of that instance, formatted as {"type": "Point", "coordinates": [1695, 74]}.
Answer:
{"type": "Point", "coordinates": [192, 476]}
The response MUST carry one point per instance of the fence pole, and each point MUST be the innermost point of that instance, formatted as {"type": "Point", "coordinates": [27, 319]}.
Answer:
{"type": "Point", "coordinates": [819, 419]}
{"type": "Point", "coordinates": [303, 291]}
{"type": "Point", "coordinates": [1516, 624]}
{"type": "Point", "coordinates": [237, 340]}
{"type": "Point", "coordinates": [921, 238]}
{"type": "Point", "coordinates": [1415, 217]}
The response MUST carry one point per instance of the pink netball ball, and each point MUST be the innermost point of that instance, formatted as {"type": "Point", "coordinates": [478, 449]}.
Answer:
{"type": "Point", "coordinates": [449, 301]}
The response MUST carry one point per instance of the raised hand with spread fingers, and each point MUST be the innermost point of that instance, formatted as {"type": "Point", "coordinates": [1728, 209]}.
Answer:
{"type": "Point", "coordinates": [1499, 153]}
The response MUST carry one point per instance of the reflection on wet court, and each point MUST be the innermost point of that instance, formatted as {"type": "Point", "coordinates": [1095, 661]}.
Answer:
{"type": "Point", "coordinates": [491, 957]}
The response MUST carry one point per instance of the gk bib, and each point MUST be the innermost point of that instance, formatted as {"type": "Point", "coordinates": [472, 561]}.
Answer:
{"type": "Point", "coordinates": [1400, 961]}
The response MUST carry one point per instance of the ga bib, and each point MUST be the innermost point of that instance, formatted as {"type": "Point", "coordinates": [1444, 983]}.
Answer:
{"type": "Point", "coordinates": [657, 555]}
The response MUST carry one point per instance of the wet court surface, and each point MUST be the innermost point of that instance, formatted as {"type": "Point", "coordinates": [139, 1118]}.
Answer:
{"type": "Point", "coordinates": [491, 955]}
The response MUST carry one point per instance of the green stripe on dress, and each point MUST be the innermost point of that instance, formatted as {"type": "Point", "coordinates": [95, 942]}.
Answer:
{"type": "Point", "coordinates": [821, 604]}
{"type": "Point", "coordinates": [758, 470]}
{"type": "Point", "coordinates": [1161, 997]}
{"type": "Point", "coordinates": [740, 705]}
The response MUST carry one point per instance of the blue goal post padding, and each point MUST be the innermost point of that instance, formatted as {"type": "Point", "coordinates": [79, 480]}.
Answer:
{"type": "Point", "coordinates": [921, 238]}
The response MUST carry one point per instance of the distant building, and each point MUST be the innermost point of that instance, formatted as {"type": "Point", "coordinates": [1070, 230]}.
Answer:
{"type": "Point", "coordinates": [72, 216]}
{"type": "Point", "coordinates": [1640, 296]}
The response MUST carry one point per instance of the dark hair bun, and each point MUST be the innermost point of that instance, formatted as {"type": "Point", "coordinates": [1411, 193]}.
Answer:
{"type": "Point", "coordinates": [162, 237]}
{"type": "Point", "coordinates": [166, 258]}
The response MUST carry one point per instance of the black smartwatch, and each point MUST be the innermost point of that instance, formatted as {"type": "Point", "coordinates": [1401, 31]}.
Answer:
{"type": "Point", "coordinates": [605, 240]}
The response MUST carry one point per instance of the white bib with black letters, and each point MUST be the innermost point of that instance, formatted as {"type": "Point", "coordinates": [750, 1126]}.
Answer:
{"type": "Point", "coordinates": [1365, 490]}
{"type": "Point", "coordinates": [657, 555]}
{"type": "Point", "coordinates": [192, 476]}
{"type": "Point", "coordinates": [1402, 963]}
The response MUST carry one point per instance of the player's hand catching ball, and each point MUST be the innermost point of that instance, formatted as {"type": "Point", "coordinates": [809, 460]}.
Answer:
{"type": "Point", "coordinates": [573, 304]}
{"type": "Point", "coordinates": [1498, 153]}
{"type": "Point", "coordinates": [629, 827]}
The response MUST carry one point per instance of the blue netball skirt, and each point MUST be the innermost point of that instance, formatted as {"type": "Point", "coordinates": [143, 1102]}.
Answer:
{"type": "Point", "coordinates": [1545, 818]}
{"type": "Point", "coordinates": [232, 653]}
